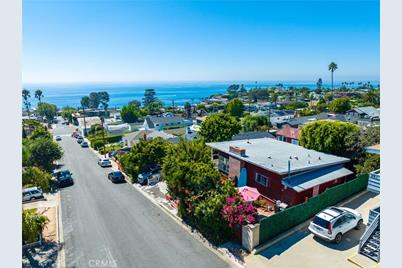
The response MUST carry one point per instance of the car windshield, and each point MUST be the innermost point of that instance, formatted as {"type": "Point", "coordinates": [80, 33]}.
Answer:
{"type": "Point", "coordinates": [65, 173]}
{"type": "Point", "coordinates": [117, 173]}
{"type": "Point", "coordinates": [320, 222]}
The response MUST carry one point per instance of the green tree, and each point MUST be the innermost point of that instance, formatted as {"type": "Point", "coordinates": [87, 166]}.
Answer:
{"type": "Point", "coordinates": [94, 100]}
{"type": "Point", "coordinates": [274, 97]}
{"type": "Point", "coordinates": [149, 97]}
{"type": "Point", "coordinates": [85, 101]}
{"type": "Point", "coordinates": [66, 113]}
{"type": "Point", "coordinates": [154, 107]}
{"type": "Point", "coordinates": [219, 127]}
{"type": "Point", "coordinates": [144, 155]}
{"type": "Point", "coordinates": [39, 95]}
{"type": "Point", "coordinates": [235, 108]}
{"type": "Point", "coordinates": [372, 98]}
{"type": "Point", "coordinates": [332, 67]}
{"type": "Point", "coordinates": [358, 141]}
{"type": "Point", "coordinates": [104, 99]}
{"type": "Point", "coordinates": [49, 111]}
{"type": "Point", "coordinates": [130, 113]}
{"type": "Point", "coordinates": [319, 86]}
{"type": "Point", "coordinates": [187, 109]}
{"type": "Point", "coordinates": [43, 152]}
{"type": "Point", "coordinates": [371, 163]}
{"type": "Point", "coordinates": [40, 132]}
{"type": "Point", "coordinates": [32, 225]}
{"type": "Point", "coordinates": [254, 123]}
{"type": "Point", "coordinates": [34, 176]}
{"type": "Point", "coordinates": [136, 103]}
{"type": "Point", "coordinates": [25, 96]}
{"type": "Point", "coordinates": [340, 105]}
{"type": "Point", "coordinates": [295, 105]}
{"type": "Point", "coordinates": [327, 136]}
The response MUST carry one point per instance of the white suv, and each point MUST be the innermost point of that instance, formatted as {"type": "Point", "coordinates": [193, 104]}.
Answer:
{"type": "Point", "coordinates": [332, 223]}
{"type": "Point", "coordinates": [32, 193]}
{"type": "Point", "coordinates": [104, 162]}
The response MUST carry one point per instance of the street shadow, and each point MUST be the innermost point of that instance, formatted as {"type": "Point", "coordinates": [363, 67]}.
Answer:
{"type": "Point", "coordinates": [283, 245]}
{"type": "Point", "coordinates": [44, 256]}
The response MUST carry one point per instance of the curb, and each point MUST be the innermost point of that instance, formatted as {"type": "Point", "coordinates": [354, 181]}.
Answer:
{"type": "Point", "coordinates": [352, 261]}
{"type": "Point", "coordinates": [61, 257]}
{"type": "Point", "coordinates": [178, 220]}
{"type": "Point", "coordinates": [298, 227]}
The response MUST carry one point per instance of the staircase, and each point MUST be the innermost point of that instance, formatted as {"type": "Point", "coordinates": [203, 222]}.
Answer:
{"type": "Point", "coordinates": [370, 242]}
{"type": "Point", "coordinates": [374, 182]}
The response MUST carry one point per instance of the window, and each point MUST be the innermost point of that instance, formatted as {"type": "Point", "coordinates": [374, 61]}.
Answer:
{"type": "Point", "coordinates": [223, 164]}
{"type": "Point", "coordinates": [261, 179]}
{"type": "Point", "coordinates": [295, 142]}
{"type": "Point", "coordinates": [339, 222]}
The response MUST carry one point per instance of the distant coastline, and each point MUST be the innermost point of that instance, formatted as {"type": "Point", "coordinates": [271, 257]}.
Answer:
{"type": "Point", "coordinates": [70, 94]}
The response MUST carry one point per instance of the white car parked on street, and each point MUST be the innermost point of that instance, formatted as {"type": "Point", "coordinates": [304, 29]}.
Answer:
{"type": "Point", "coordinates": [104, 162]}
{"type": "Point", "coordinates": [332, 223]}
{"type": "Point", "coordinates": [31, 193]}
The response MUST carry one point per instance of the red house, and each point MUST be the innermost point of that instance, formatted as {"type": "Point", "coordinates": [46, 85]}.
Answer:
{"type": "Point", "coordinates": [279, 170]}
{"type": "Point", "coordinates": [288, 134]}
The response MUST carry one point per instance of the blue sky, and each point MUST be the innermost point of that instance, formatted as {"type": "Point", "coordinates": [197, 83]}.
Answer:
{"type": "Point", "coordinates": [108, 41]}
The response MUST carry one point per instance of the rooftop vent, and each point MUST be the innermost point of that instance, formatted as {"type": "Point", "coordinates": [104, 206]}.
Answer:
{"type": "Point", "coordinates": [237, 150]}
{"type": "Point", "coordinates": [319, 158]}
{"type": "Point", "coordinates": [297, 158]}
{"type": "Point", "coordinates": [269, 157]}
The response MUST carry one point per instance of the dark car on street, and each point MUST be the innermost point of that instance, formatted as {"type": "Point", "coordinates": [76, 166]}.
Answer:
{"type": "Point", "coordinates": [63, 178]}
{"type": "Point", "coordinates": [116, 176]}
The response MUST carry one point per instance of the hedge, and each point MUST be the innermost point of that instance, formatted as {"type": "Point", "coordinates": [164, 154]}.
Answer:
{"type": "Point", "coordinates": [288, 218]}
{"type": "Point", "coordinates": [108, 139]}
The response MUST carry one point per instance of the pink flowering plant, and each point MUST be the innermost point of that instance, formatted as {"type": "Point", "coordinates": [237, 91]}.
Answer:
{"type": "Point", "coordinates": [237, 211]}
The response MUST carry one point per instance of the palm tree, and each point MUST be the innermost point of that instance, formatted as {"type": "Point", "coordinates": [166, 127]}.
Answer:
{"type": "Point", "coordinates": [39, 95]}
{"type": "Point", "coordinates": [332, 67]}
{"type": "Point", "coordinates": [25, 96]}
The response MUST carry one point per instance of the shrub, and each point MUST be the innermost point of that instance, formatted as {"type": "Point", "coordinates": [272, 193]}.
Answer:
{"type": "Point", "coordinates": [32, 225]}
{"type": "Point", "coordinates": [34, 176]}
{"type": "Point", "coordinates": [97, 144]}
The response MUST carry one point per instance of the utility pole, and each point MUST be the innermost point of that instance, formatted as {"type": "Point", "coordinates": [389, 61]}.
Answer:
{"type": "Point", "coordinates": [103, 135]}
{"type": "Point", "coordinates": [85, 123]}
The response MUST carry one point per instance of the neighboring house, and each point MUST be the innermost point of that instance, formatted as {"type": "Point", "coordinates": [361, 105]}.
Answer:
{"type": "Point", "coordinates": [364, 115]}
{"type": "Point", "coordinates": [278, 118]}
{"type": "Point", "coordinates": [160, 123]}
{"type": "Point", "coordinates": [279, 170]}
{"type": "Point", "coordinates": [117, 128]}
{"type": "Point", "coordinates": [132, 138]}
{"type": "Point", "coordinates": [252, 135]}
{"type": "Point", "coordinates": [302, 120]}
{"type": "Point", "coordinates": [89, 121]}
{"type": "Point", "coordinates": [288, 134]}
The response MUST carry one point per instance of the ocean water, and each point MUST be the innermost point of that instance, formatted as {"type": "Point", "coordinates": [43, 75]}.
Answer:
{"type": "Point", "coordinates": [121, 93]}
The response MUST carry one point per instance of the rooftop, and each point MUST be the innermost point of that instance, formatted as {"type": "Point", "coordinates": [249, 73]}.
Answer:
{"type": "Point", "coordinates": [289, 132]}
{"type": "Point", "coordinates": [274, 155]}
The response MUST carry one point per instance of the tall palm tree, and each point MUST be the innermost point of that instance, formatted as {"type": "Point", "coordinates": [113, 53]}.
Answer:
{"type": "Point", "coordinates": [332, 67]}
{"type": "Point", "coordinates": [25, 96]}
{"type": "Point", "coordinates": [39, 95]}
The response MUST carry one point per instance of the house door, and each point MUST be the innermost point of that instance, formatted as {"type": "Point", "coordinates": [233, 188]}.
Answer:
{"type": "Point", "coordinates": [316, 190]}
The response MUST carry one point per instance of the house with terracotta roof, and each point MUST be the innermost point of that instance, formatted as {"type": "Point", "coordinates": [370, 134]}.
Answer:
{"type": "Point", "coordinates": [280, 171]}
{"type": "Point", "coordinates": [288, 134]}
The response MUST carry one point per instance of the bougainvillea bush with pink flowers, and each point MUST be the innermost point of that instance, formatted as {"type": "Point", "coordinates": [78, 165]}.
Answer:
{"type": "Point", "coordinates": [238, 212]}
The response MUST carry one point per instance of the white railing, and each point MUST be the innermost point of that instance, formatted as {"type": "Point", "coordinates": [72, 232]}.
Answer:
{"type": "Point", "coordinates": [373, 214]}
{"type": "Point", "coordinates": [369, 231]}
{"type": "Point", "coordinates": [374, 182]}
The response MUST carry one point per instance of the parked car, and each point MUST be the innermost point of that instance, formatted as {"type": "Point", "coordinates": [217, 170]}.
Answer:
{"type": "Point", "coordinates": [104, 162]}
{"type": "Point", "coordinates": [31, 193]}
{"type": "Point", "coordinates": [150, 177]}
{"type": "Point", "coordinates": [64, 178]}
{"type": "Point", "coordinates": [58, 138]}
{"type": "Point", "coordinates": [84, 144]}
{"type": "Point", "coordinates": [332, 223]}
{"type": "Point", "coordinates": [116, 176]}
{"type": "Point", "coordinates": [80, 139]}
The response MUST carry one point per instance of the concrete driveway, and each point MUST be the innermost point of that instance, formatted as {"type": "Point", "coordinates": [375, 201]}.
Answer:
{"type": "Point", "coordinates": [302, 249]}
{"type": "Point", "coordinates": [113, 225]}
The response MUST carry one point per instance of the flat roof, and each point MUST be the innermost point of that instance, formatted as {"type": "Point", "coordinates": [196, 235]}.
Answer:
{"type": "Point", "coordinates": [308, 180]}
{"type": "Point", "coordinates": [274, 155]}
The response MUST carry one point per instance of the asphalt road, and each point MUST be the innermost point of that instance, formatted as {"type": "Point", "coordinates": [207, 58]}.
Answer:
{"type": "Point", "coordinates": [113, 225]}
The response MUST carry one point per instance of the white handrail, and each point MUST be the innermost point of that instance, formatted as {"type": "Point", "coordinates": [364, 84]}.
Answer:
{"type": "Point", "coordinates": [369, 231]}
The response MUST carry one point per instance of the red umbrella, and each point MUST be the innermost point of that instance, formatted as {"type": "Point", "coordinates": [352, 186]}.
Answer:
{"type": "Point", "coordinates": [249, 193]}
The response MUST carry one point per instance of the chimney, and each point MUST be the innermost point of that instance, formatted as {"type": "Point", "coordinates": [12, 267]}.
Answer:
{"type": "Point", "coordinates": [237, 150]}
